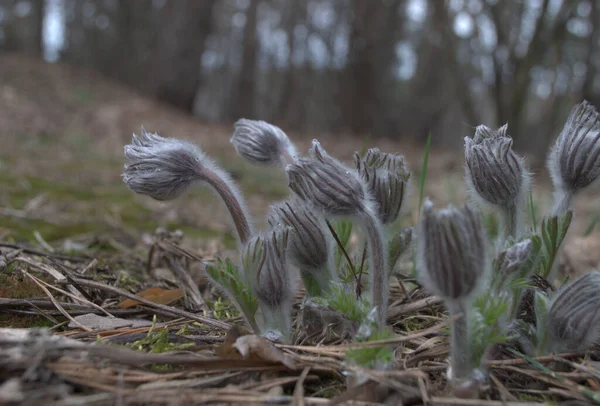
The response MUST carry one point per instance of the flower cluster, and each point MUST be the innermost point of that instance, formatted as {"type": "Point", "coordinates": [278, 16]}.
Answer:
{"type": "Point", "coordinates": [482, 276]}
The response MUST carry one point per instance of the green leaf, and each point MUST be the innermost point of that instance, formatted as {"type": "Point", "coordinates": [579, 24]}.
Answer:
{"type": "Point", "coordinates": [373, 357]}
{"type": "Point", "coordinates": [541, 304]}
{"type": "Point", "coordinates": [342, 230]}
{"type": "Point", "coordinates": [486, 324]}
{"type": "Point", "coordinates": [344, 301]}
{"type": "Point", "coordinates": [554, 230]}
{"type": "Point", "coordinates": [532, 211]}
{"type": "Point", "coordinates": [226, 276]}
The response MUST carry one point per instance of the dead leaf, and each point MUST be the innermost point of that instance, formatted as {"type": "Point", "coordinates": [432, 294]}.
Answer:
{"type": "Point", "coordinates": [226, 350]}
{"type": "Point", "coordinates": [156, 295]}
{"type": "Point", "coordinates": [254, 347]}
{"type": "Point", "coordinates": [97, 322]}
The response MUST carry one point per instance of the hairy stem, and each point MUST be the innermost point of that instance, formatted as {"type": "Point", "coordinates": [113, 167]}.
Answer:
{"type": "Point", "coordinates": [460, 346]}
{"type": "Point", "coordinates": [233, 201]}
{"type": "Point", "coordinates": [562, 202]}
{"type": "Point", "coordinates": [277, 321]}
{"type": "Point", "coordinates": [510, 218]}
{"type": "Point", "coordinates": [377, 263]}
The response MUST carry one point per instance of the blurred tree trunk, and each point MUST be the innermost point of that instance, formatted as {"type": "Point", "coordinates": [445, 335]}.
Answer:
{"type": "Point", "coordinates": [371, 54]}
{"type": "Point", "coordinates": [176, 67]}
{"type": "Point", "coordinates": [441, 91]}
{"type": "Point", "coordinates": [243, 104]}
{"type": "Point", "coordinates": [513, 74]}
{"type": "Point", "coordinates": [588, 90]}
{"type": "Point", "coordinates": [156, 50]}
{"type": "Point", "coordinates": [23, 26]}
{"type": "Point", "coordinates": [291, 108]}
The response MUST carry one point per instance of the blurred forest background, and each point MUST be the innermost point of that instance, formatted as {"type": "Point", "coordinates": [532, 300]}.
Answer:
{"type": "Point", "coordinates": [386, 68]}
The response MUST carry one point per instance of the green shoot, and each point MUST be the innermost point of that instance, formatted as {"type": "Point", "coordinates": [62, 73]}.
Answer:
{"type": "Point", "coordinates": [225, 274]}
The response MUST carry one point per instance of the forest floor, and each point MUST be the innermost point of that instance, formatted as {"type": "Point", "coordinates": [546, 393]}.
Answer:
{"type": "Point", "coordinates": [67, 221]}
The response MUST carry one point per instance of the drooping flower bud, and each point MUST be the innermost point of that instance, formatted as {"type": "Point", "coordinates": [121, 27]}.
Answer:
{"type": "Point", "coordinates": [310, 247]}
{"type": "Point", "coordinates": [264, 260]}
{"type": "Point", "coordinates": [387, 181]}
{"type": "Point", "coordinates": [574, 160]}
{"type": "Point", "coordinates": [327, 184]}
{"type": "Point", "coordinates": [261, 142]}
{"type": "Point", "coordinates": [163, 168]}
{"type": "Point", "coordinates": [574, 315]}
{"type": "Point", "coordinates": [452, 251]}
{"type": "Point", "coordinates": [496, 175]}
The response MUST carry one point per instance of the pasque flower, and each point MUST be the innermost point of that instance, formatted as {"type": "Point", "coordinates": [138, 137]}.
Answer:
{"type": "Point", "coordinates": [387, 180]}
{"type": "Point", "coordinates": [495, 174]}
{"type": "Point", "coordinates": [574, 160]}
{"type": "Point", "coordinates": [261, 142]}
{"type": "Point", "coordinates": [327, 184]}
{"type": "Point", "coordinates": [164, 168]}
{"type": "Point", "coordinates": [310, 246]}
{"type": "Point", "coordinates": [574, 315]}
{"type": "Point", "coordinates": [452, 255]}
{"type": "Point", "coordinates": [334, 189]}
{"type": "Point", "coordinates": [265, 264]}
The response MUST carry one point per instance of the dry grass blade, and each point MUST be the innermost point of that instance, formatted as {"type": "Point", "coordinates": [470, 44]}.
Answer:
{"type": "Point", "coordinates": [76, 298]}
{"type": "Point", "coordinates": [56, 303]}
{"type": "Point", "coordinates": [190, 288]}
{"type": "Point", "coordinates": [299, 389]}
{"type": "Point", "coordinates": [412, 307]}
{"type": "Point", "coordinates": [332, 349]}
{"type": "Point", "coordinates": [54, 273]}
{"type": "Point", "coordinates": [171, 310]}
{"type": "Point", "coordinates": [441, 401]}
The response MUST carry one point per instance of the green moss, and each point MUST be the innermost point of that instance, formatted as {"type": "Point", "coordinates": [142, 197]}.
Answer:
{"type": "Point", "coordinates": [157, 342]}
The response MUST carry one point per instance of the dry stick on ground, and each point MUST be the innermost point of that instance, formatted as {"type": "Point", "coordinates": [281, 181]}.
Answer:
{"type": "Point", "coordinates": [25, 338]}
{"type": "Point", "coordinates": [412, 307]}
{"type": "Point", "coordinates": [168, 309]}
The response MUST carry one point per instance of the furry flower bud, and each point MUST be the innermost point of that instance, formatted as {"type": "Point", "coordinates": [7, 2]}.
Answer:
{"type": "Point", "coordinates": [574, 161]}
{"type": "Point", "coordinates": [574, 315]}
{"type": "Point", "coordinates": [162, 168]}
{"type": "Point", "coordinates": [310, 247]}
{"type": "Point", "coordinates": [264, 260]}
{"type": "Point", "coordinates": [261, 142]}
{"type": "Point", "coordinates": [327, 184]}
{"type": "Point", "coordinates": [511, 260]}
{"type": "Point", "coordinates": [387, 180]}
{"type": "Point", "coordinates": [452, 251]}
{"type": "Point", "coordinates": [494, 171]}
